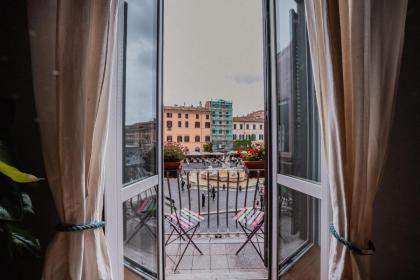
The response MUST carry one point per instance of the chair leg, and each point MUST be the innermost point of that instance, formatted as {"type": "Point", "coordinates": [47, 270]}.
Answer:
{"type": "Point", "coordinates": [190, 239]}
{"type": "Point", "coordinates": [185, 249]}
{"type": "Point", "coordinates": [249, 237]}
{"type": "Point", "coordinates": [139, 227]}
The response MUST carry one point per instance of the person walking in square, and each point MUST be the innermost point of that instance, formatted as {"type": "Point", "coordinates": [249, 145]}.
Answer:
{"type": "Point", "coordinates": [213, 193]}
{"type": "Point", "coordinates": [203, 200]}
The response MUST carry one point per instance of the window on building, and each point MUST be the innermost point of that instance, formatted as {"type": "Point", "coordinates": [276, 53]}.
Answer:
{"type": "Point", "coordinates": [169, 115]}
{"type": "Point", "coordinates": [247, 126]}
{"type": "Point", "coordinates": [220, 122]}
{"type": "Point", "coordinates": [197, 124]}
{"type": "Point", "coordinates": [254, 126]}
{"type": "Point", "coordinates": [254, 137]}
{"type": "Point", "coordinates": [186, 124]}
{"type": "Point", "coordinates": [227, 131]}
{"type": "Point", "coordinates": [186, 116]}
{"type": "Point", "coordinates": [234, 136]}
{"type": "Point", "coordinates": [214, 131]}
{"type": "Point", "coordinates": [179, 115]}
{"type": "Point", "coordinates": [261, 126]}
{"type": "Point", "coordinates": [197, 116]}
{"type": "Point", "coordinates": [179, 139]}
{"type": "Point", "coordinates": [207, 125]}
{"type": "Point", "coordinates": [197, 138]}
{"type": "Point", "coordinates": [207, 138]}
{"type": "Point", "coordinates": [169, 124]}
{"type": "Point", "coordinates": [186, 139]}
{"type": "Point", "coordinates": [241, 126]}
{"type": "Point", "coordinates": [169, 138]}
{"type": "Point", "coordinates": [179, 124]}
{"type": "Point", "coordinates": [207, 116]}
{"type": "Point", "coordinates": [234, 126]}
{"type": "Point", "coordinates": [220, 131]}
{"type": "Point", "coordinates": [261, 137]}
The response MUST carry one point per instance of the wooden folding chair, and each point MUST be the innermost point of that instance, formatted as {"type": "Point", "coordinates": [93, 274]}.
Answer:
{"type": "Point", "coordinates": [184, 224]}
{"type": "Point", "coordinates": [251, 220]}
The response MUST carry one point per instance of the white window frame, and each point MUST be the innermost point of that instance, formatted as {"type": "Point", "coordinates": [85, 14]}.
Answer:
{"type": "Point", "coordinates": [115, 194]}
{"type": "Point", "coordinates": [319, 190]}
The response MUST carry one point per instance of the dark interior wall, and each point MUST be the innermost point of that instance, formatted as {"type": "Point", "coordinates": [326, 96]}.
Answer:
{"type": "Point", "coordinates": [396, 228]}
{"type": "Point", "coordinates": [19, 129]}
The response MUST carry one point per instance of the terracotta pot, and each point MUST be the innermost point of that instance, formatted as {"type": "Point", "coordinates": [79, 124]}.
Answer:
{"type": "Point", "coordinates": [169, 165]}
{"type": "Point", "coordinates": [170, 169]}
{"type": "Point", "coordinates": [255, 164]}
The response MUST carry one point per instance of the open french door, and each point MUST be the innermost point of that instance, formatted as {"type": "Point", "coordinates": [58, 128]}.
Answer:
{"type": "Point", "coordinates": [299, 204]}
{"type": "Point", "coordinates": [133, 194]}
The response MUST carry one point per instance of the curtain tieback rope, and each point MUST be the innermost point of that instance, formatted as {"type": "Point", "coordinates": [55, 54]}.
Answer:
{"type": "Point", "coordinates": [369, 251]}
{"type": "Point", "coordinates": [81, 227]}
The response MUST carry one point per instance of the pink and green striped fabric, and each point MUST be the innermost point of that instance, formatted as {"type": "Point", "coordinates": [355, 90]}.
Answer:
{"type": "Point", "coordinates": [185, 218]}
{"type": "Point", "coordinates": [249, 216]}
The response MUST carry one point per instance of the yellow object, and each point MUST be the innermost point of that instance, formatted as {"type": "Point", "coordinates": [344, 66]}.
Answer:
{"type": "Point", "coordinates": [16, 175]}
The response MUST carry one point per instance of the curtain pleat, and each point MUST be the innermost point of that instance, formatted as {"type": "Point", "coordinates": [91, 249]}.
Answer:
{"type": "Point", "coordinates": [356, 48]}
{"type": "Point", "coordinates": [72, 47]}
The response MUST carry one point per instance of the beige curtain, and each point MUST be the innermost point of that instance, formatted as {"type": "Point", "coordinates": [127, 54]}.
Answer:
{"type": "Point", "coordinates": [72, 45]}
{"type": "Point", "coordinates": [356, 50]}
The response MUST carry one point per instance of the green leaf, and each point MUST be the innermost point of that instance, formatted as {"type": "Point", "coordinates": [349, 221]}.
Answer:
{"type": "Point", "coordinates": [22, 241]}
{"type": "Point", "coordinates": [27, 204]}
{"type": "Point", "coordinates": [5, 214]}
{"type": "Point", "coordinates": [11, 202]}
{"type": "Point", "coordinates": [17, 175]}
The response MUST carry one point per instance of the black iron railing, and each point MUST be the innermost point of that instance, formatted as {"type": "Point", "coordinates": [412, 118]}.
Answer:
{"type": "Point", "coordinates": [217, 194]}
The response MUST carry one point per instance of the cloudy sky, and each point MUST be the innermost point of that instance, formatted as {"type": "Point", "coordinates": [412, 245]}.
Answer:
{"type": "Point", "coordinates": [214, 49]}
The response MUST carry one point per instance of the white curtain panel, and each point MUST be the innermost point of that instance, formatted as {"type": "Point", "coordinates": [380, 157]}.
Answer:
{"type": "Point", "coordinates": [356, 48]}
{"type": "Point", "coordinates": [72, 45]}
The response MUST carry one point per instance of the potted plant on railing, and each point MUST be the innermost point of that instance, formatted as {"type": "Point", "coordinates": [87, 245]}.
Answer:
{"type": "Point", "coordinates": [253, 158]}
{"type": "Point", "coordinates": [173, 154]}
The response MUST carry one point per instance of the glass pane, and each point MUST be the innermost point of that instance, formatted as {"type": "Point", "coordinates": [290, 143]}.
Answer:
{"type": "Point", "coordinates": [140, 90]}
{"type": "Point", "coordinates": [298, 133]}
{"type": "Point", "coordinates": [299, 234]}
{"type": "Point", "coordinates": [140, 231]}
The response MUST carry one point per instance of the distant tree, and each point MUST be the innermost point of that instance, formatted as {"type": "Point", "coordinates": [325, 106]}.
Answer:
{"type": "Point", "coordinates": [208, 147]}
{"type": "Point", "coordinates": [241, 144]}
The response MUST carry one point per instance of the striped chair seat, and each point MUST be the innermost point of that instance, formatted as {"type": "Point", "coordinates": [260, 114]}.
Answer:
{"type": "Point", "coordinates": [146, 205]}
{"type": "Point", "coordinates": [251, 217]}
{"type": "Point", "coordinates": [185, 218]}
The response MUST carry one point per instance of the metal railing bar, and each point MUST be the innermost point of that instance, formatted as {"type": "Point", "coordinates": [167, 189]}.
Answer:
{"type": "Point", "coordinates": [218, 195]}
{"type": "Point", "coordinates": [256, 187]}
{"type": "Point", "coordinates": [169, 188]}
{"type": "Point", "coordinates": [227, 201]}
{"type": "Point", "coordinates": [198, 193]}
{"type": "Point", "coordinates": [237, 194]}
{"type": "Point", "coordinates": [189, 190]}
{"type": "Point", "coordinates": [179, 189]}
{"type": "Point", "coordinates": [208, 199]}
{"type": "Point", "coordinates": [246, 189]}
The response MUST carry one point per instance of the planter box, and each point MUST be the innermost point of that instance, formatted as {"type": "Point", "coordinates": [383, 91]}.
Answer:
{"type": "Point", "coordinates": [171, 168]}
{"type": "Point", "coordinates": [255, 164]}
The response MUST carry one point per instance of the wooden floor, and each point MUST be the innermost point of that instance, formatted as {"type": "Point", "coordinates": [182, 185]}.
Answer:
{"type": "Point", "coordinates": [307, 268]}
{"type": "Point", "coordinates": [129, 275]}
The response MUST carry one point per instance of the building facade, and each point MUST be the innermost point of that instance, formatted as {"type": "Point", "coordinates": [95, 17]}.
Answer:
{"type": "Point", "coordinates": [221, 124]}
{"type": "Point", "coordinates": [187, 125]}
{"type": "Point", "coordinates": [249, 127]}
